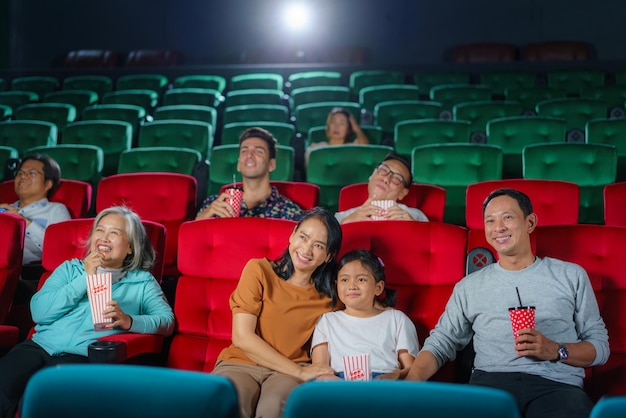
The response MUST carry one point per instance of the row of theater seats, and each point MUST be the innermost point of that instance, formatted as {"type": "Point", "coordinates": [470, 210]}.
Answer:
{"type": "Point", "coordinates": [171, 199]}
{"type": "Point", "coordinates": [212, 253]}
{"type": "Point", "coordinates": [102, 58]}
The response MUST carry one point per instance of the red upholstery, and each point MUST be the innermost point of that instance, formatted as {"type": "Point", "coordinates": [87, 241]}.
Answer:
{"type": "Point", "coordinates": [485, 52]}
{"type": "Point", "coordinates": [599, 250]}
{"type": "Point", "coordinates": [305, 195]}
{"type": "Point", "coordinates": [91, 58]}
{"type": "Point", "coordinates": [9, 336]}
{"type": "Point", "coordinates": [166, 198]}
{"type": "Point", "coordinates": [554, 202]}
{"type": "Point", "coordinates": [211, 255]}
{"type": "Point", "coordinates": [428, 198]}
{"type": "Point", "coordinates": [152, 58]}
{"type": "Point", "coordinates": [557, 51]}
{"type": "Point", "coordinates": [615, 204]}
{"type": "Point", "coordinates": [74, 194]}
{"type": "Point", "coordinates": [68, 239]}
{"type": "Point", "coordinates": [12, 229]}
{"type": "Point", "coordinates": [423, 261]}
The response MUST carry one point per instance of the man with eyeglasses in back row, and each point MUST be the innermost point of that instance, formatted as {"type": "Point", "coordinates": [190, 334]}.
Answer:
{"type": "Point", "coordinates": [36, 179]}
{"type": "Point", "coordinates": [390, 181]}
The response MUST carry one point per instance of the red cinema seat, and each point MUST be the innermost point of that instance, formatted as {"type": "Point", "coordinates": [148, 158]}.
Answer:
{"type": "Point", "coordinates": [74, 194]}
{"type": "Point", "coordinates": [166, 198]}
{"type": "Point", "coordinates": [428, 198]}
{"type": "Point", "coordinates": [599, 250]}
{"type": "Point", "coordinates": [615, 204]}
{"type": "Point", "coordinates": [12, 229]}
{"type": "Point", "coordinates": [423, 261]}
{"type": "Point", "coordinates": [555, 203]}
{"type": "Point", "coordinates": [211, 256]}
{"type": "Point", "coordinates": [66, 240]}
{"type": "Point", "coordinates": [91, 58]}
{"type": "Point", "coordinates": [306, 195]}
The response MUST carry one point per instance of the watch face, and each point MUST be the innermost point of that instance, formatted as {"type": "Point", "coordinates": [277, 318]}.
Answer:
{"type": "Point", "coordinates": [563, 354]}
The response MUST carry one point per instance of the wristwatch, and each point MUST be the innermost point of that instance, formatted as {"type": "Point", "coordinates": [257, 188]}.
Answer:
{"type": "Point", "coordinates": [562, 353]}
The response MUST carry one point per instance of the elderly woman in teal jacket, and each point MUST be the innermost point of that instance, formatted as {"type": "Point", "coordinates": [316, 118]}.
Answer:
{"type": "Point", "coordinates": [118, 244]}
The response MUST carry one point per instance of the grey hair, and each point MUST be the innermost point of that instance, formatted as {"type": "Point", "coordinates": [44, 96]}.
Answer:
{"type": "Point", "coordinates": [142, 253]}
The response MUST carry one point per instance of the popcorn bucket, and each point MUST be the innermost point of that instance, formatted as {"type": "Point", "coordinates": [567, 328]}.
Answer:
{"type": "Point", "coordinates": [99, 293]}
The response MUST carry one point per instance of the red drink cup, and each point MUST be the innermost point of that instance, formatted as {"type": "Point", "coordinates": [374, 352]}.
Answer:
{"type": "Point", "coordinates": [236, 199]}
{"type": "Point", "coordinates": [522, 317]}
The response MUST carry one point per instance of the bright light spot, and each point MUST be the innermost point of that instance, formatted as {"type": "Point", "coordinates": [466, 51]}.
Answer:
{"type": "Point", "coordinates": [297, 16]}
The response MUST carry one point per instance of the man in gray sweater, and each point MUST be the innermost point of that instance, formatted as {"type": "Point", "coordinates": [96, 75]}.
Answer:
{"type": "Point", "coordinates": [544, 367]}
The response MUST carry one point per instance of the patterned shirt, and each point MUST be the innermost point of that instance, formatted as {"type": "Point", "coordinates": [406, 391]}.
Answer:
{"type": "Point", "coordinates": [275, 206]}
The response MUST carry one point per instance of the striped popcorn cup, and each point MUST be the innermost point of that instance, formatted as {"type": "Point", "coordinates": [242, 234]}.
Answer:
{"type": "Point", "coordinates": [99, 293]}
{"type": "Point", "coordinates": [385, 204]}
{"type": "Point", "coordinates": [357, 368]}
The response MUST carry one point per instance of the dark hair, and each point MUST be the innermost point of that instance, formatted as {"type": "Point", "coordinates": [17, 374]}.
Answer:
{"type": "Point", "coordinates": [370, 261]}
{"type": "Point", "coordinates": [51, 170]}
{"type": "Point", "coordinates": [264, 134]}
{"type": "Point", "coordinates": [142, 256]}
{"type": "Point", "coordinates": [323, 276]}
{"type": "Point", "coordinates": [340, 110]}
{"type": "Point", "coordinates": [522, 199]}
{"type": "Point", "coordinates": [402, 160]}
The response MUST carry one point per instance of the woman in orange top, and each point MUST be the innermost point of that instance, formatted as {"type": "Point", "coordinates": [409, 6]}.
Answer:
{"type": "Point", "coordinates": [275, 308]}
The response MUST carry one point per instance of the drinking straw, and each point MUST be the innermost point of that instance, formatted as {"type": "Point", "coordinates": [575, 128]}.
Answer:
{"type": "Point", "coordinates": [518, 297]}
{"type": "Point", "coordinates": [234, 181]}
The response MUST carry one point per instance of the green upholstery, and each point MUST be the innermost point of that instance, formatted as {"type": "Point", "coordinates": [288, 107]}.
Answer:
{"type": "Point", "coordinates": [6, 153]}
{"type": "Point", "coordinates": [254, 97]}
{"type": "Point", "coordinates": [409, 134]}
{"type": "Point", "coordinates": [159, 159]}
{"type": "Point", "coordinates": [334, 167]}
{"type": "Point", "coordinates": [591, 166]}
{"type": "Point", "coordinates": [80, 99]}
{"type": "Point", "coordinates": [58, 113]}
{"type": "Point", "coordinates": [373, 133]}
{"type": "Point", "coordinates": [178, 133]}
{"type": "Point", "coordinates": [155, 82]}
{"type": "Point", "coordinates": [576, 112]}
{"type": "Point", "coordinates": [530, 96]}
{"type": "Point", "coordinates": [450, 94]}
{"type": "Point", "coordinates": [192, 96]}
{"type": "Point", "coordinates": [394, 398]}
{"type": "Point", "coordinates": [388, 114]}
{"type": "Point", "coordinates": [315, 114]}
{"type": "Point", "coordinates": [5, 112]}
{"type": "Point", "coordinates": [614, 96]}
{"type": "Point", "coordinates": [365, 78]}
{"type": "Point", "coordinates": [15, 99]}
{"type": "Point", "coordinates": [317, 94]}
{"type": "Point", "coordinates": [132, 114]}
{"type": "Point", "coordinates": [500, 81]}
{"type": "Point", "coordinates": [479, 113]}
{"type": "Point", "coordinates": [313, 79]}
{"type": "Point", "coordinates": [574, 80]}
{"type": "Point", "coordinates": [610, 132]}
{"type": "Point", "coordinates": [37, 84]}
{"type": "Point", "coordinates": [256, 81]}
{"type": "Point", "coordinates": [427, 80]}
{"type": "Point", "coordinates": [201, 81]}
{"type": "Point", "coordinates": [282, 131]}
{"type": "Point", "coordinates": [26, 134]}
{"type": "Point", "coordinates": [513, 133]}
{"type": "Point", "coordinates": [147, 99]}
{"type": "Point", "coordinates": [224, 165]}
{"type": "Point", "coordinates": [101, 84]}
{"type": "Point", "coordinates": [77, 162]}
{"type": "Point", "coordinates": [370, 96]}
{"type": "Point", "coordinates": [112, 136]}
{"type": "Point", "coordinates": [454, 167]}
{"type": "Point", "coordinates": [609, 407]}
{"type": "Point", "coordinates": [188, 112]}
{"type": "Point", "coordinates": [3, 84]}
{"type": "Point", "coordinates": [76, 391]}
{"type": "Point", "coordinates": [253, 113]}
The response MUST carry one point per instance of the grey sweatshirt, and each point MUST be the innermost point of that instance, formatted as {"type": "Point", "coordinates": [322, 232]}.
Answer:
{"type": "Point", "coordinates": [566, 312]}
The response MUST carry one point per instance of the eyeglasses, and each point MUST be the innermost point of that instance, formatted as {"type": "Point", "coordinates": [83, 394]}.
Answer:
{"type": "Point", "coordinates": [383, 170]}
{"type": "Point", "coordinates": [32, 174]}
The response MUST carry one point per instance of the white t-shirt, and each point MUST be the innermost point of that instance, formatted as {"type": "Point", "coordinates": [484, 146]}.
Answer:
{"type": "Point", "coordinates": [382, 336]}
